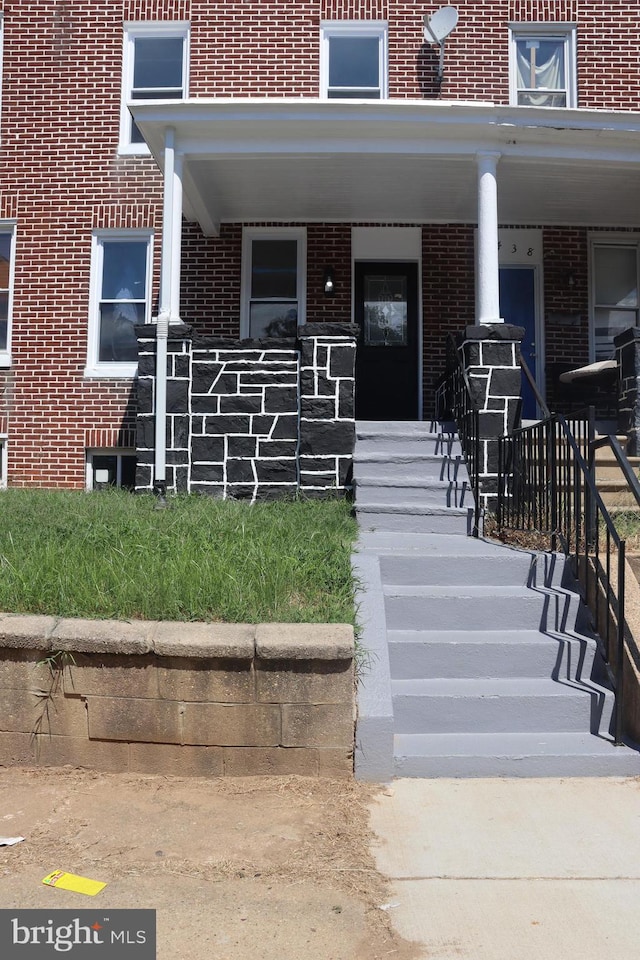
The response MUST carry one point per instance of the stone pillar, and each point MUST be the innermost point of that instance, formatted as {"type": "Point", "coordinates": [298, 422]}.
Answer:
{"type": "Point", "coordinates": [627, 346]}
{"type": "Point", "coordinates": [178, 415]}
{"type": "Point", "coordinates": [491, 357]}
{"type": "Point", "coordinates": [327, 406]}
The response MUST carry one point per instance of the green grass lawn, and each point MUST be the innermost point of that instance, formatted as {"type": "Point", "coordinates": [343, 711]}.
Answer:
{"type": "Point", "coordinates": [114, 555]}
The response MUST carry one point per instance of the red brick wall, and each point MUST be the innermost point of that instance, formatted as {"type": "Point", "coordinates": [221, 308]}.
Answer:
{"type": "Point", "coordinates": [61, 177]}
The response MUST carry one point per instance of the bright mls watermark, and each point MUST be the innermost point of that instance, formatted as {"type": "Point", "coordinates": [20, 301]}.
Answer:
{"type": "Point", "coordinates": [80, 934]}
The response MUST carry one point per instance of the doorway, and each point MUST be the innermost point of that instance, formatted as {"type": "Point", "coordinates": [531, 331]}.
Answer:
{"type": "Point", "coordinates": [518, 307]}
{"type": "Point", "coordinates": [386, 312]}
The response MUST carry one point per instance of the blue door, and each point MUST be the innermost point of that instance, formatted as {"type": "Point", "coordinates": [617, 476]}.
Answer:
{"type": "Point", "coordinates": [518, 306]}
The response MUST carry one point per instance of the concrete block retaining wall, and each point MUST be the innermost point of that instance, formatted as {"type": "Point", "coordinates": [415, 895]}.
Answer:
{"type": "Point", "coordinates": [189, 699]}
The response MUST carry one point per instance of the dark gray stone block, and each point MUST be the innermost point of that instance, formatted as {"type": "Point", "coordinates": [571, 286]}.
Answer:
{"type": "Point", "coordinates": [277, 471]}
{"type": "Point", "coordinates": [342, 360]}
{"type": "Point", "coordinates": [241, 491]}
{"type": "Point", "coordinates": [317, 408]}
{"type": "Point", "coordinates": [145, 396]}
{"type": "Point", "coordinates": [240, 471]}
{"type": "Point", "coordinates": [204, 375]}
{"type": "Point", "coordinates": [182, 367]}
{"type": "Point", "coordinates": [497, 354]}
{"type": "Point", "coordinates": [207, 449]}
{"type": "Point", "coordinates": [286, 427]}
{"type": "Point", "coordinates": [281, 400]}
{"type": "Point", "coordinates": [146, 365]}
{"type": "Point", "coordinates": [491, 425]}
{"type": "Point", "coordinates": [346, 400]}
{"type": "Point", "coordinates": [277, 448]}
{"type": "Point", "coordinates": [505, 383]}
{"type": "Point", "coordinates": [177, 396]}
{"type": "Point", "coordinates": [226, 385]}
{"type": "Point", "coordinates": [145, 432]}
{"type": "Point", "coordinates": [180, 431]}
{"type": "Point", "coordinates": [327, 437]}
{"type": "Point", "coordinates": [221, 425]}
{"type": "Point", "coordinates": [241, 404]}
{"type": "Point", "coordinates": [209, 403]}
{"type": "Point", "coordinates": [207, 472]}
{"type": "Point", "coordinates": [241, 446]}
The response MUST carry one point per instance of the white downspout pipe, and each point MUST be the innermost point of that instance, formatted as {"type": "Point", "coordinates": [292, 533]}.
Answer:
{"type": "Point", "coordinates": [164, 313]}
{"type": "Point", "coordinates": [488, 261]}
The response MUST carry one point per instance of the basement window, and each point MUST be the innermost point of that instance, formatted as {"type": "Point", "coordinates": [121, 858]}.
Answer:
{"type": "Point", "coordinates": [3, 463]}
{"type": "Point", "coordinates": [7, 241]}
{"type": "Point", "coordinates": [615, 271]}
{"type": "Point", "coordinates": [111, 468]}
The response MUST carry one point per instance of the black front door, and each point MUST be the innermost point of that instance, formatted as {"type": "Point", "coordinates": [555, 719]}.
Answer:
{"type": "Point", "coordinates": [386, 311]}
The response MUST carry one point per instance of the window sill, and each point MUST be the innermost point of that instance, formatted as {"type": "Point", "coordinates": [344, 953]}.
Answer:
{"type": "Point", "coordinates": [5, 360]}
{"type": "Point", "coordinates": [111, 371]}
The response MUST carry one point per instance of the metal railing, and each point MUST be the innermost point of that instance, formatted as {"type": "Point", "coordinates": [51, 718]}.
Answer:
{"type": "Point", "coordinates": [546, 486]}
{"type": "Point", "coordinates": [454, 400]}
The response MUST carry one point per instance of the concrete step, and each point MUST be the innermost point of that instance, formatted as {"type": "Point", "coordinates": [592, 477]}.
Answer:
{"type": "Point", "coordinates": [513, 755]}
{"type": "Point", "coordinates": [482, 654]}
{"type": "Point", "coordinates": [414, 517]}
{"type": "Point", "coordinates": [409, 443]}
{"type": "Point", "coordinates": [391, 464]}
{"type": "Point", "coordinates": [508, 568]}
{"type": "Point", "coordinates": [520, 705]}
{"type": "Point", "coordinates": [415, 428]}
{"type": "Point", "coordinates": [472, 607]}
{"type": "Point", "coordinates": [387, 490]}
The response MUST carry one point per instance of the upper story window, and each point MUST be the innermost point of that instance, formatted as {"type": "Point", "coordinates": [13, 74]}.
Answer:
{"type": "Point", "coordinates": [273, 281]}
{"type": "Point", "coordinates": [543, 65]}
{"type": "Point", "coordinates": [120, 298]}
{"type": "Point", "coordinates": [154, 68]}
{"type": "Point", "coordinates": [7, 239]}
{"type": "Point", "coordinates": [614, 291]}
{"type": "Point", "coordinates": [353, 60]}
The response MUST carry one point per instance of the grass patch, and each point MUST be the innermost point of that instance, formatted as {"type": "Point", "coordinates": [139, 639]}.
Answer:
{"type": "Point", "coordinates": [113, 555]}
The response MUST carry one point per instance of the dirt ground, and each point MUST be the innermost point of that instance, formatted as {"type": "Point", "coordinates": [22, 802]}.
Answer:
{"type": "Point", "coordinates": [261, 868]}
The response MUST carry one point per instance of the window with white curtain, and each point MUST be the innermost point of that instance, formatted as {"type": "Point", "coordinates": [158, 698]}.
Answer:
{"type": "Point", "coordinates": [543, 65]}
{"type": "Point", "coordinates": [614, 291]}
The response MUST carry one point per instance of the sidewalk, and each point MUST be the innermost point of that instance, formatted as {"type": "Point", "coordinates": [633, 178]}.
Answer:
{"type": "Point", "coordinates": [513, 869]}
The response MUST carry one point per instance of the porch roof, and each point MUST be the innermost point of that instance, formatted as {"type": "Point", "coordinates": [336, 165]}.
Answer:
{"type": "Point", "coordinates": [396, 161]}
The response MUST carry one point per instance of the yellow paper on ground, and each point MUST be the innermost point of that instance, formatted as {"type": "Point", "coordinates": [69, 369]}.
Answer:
{"type": "Point", "coordinates": [69, 881]}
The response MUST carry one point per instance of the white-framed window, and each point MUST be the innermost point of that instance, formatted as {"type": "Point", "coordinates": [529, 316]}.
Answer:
{"type": "Point", "coordinates": [542, 58]}
{"type": "Point", "coordinates": [154, 67]}
{"type": "Point", "coordinates": [615, 273]}
{"type": "Point", "coordinates": [111, 468]}
{"type": "Point", "coordinates": [273, 281]}
{"type": "Point", "coordinates": [3, 462]}
{"type": "Point", "coordinates": [353, 59]}
{"type": "Point", "coordinates": [7, 258]}
{"type": "Point", "coordinates": [120, 298]}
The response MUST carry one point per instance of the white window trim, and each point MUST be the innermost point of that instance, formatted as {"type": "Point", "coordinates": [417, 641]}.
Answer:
{"type": "Point", "coordinates": [94, 367]}
{"type": "Point", "coordinates": [249, 234]}
{"type": "Point", "coordinates": [1, 56]}
{"type": "Point", "coordinates": [603, 240]}
{"type": "Point", "coordinates": [355, 28]}
{"type": "Point", "coordinates": [106, 452]}
{"type": "Point", "coordinates": [4, 460]}
{"type": "Point", "coordinates": [9, 226]}
{"type": "Point", "coordinates": [546, 31]}
{"type": "Point", "coordinates": [160, 29]}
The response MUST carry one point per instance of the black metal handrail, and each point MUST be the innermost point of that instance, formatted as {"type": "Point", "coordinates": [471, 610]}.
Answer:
{"type": "Point", "coordinates": [542, 406]}
{"type": "Point", "coordinates": [454, 400]}
{"type": "Point", "coordinates": [547, 487]}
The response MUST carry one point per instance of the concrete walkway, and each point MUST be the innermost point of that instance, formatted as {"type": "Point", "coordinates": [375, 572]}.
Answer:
{"type": "Point", "coordinates": [518, 869]}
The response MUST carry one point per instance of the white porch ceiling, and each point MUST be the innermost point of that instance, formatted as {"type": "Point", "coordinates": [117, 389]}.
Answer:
{"type": "Point", "coordinates": [397, 161]}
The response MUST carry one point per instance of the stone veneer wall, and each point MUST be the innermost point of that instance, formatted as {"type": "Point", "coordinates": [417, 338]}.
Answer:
{"type": "Point", "coordinates": [491, 356]}
{"type": "Point", "coordinates": [251, 419]}
{"type": "Point", "coordinates": [190, 699]}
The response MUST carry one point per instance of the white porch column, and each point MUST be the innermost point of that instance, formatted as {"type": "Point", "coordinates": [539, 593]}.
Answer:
{"type": "Point", "coordinates": [488, 266]}
{"type": "Point", "coordinates": [169, 310]}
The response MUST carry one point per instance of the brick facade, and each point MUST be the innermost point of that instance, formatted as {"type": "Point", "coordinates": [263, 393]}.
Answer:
{"type": "Point", "coordinates": [62, 177]}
